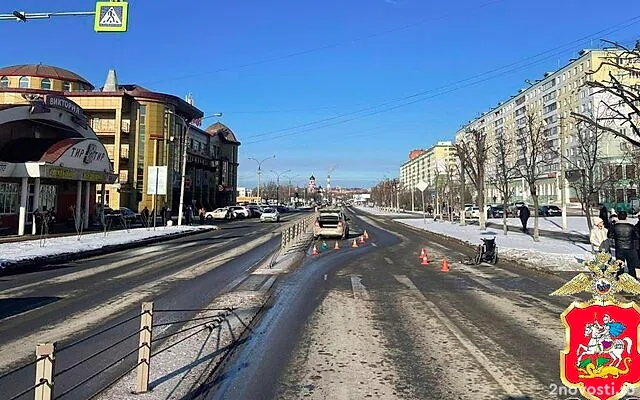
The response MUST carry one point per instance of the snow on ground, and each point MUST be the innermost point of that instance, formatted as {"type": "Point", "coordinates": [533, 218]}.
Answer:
{"type": "Point", "coordinates": [33, 249]}
{"type": "Point", "coordinates": [550, 254]}
{"type": "Point", "coordinates": [575, 224]}
{"type": "Point", "coordinates": [381, 211]}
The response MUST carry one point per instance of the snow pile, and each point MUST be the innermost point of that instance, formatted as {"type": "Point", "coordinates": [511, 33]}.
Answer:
{"type": "Point", "coordinates": [549, 254]}
{"type": "Point", "coordinates": [35, 249]}
{"type": "Point", "coordinates": [382, 212]}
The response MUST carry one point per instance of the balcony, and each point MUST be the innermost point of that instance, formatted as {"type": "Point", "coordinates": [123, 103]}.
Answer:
{"type": "Point", "coordinates": [125, 126]}
{"type": "Point", "coordinates": [103, 126]}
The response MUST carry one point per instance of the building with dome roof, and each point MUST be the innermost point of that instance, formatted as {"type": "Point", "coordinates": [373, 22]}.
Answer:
{"type": "Point", "coordinates": [135, 127]}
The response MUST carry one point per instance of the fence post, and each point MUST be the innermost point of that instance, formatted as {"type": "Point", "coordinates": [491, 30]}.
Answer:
{"type": "Point", "coordinates": [144, 351]}
{"type": "Point", "coordinates": [44, 370]}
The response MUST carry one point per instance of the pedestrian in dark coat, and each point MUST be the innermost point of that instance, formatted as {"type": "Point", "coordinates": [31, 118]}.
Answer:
{"type": "Point", "coordinates": [145, 215]}
{"type": "Point", "coordinates": [626, 240]}
{"type": "Point", "coordinates": [524, 217]}
{"type": "Point", "coordinates": [163, 215]}
{"type": "Point", "coordinates": [604, 216]}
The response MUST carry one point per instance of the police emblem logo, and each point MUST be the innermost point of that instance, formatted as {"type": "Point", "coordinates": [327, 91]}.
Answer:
{"type": "Point", "coordinates": [601, 357]}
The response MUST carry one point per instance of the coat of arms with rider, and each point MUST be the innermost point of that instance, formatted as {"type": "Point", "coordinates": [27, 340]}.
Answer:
{"type": "Point", "coordinates": [602, 355]}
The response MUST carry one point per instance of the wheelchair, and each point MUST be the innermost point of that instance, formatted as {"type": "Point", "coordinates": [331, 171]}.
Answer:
{"type": "Point", "coordinates": [487, 252]}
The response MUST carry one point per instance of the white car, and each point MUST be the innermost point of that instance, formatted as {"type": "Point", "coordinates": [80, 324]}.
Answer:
{"type": "Point", "coordinates": [270, 214]}
{"type": "Point", "coordinates": [219, 213]}
{"type": "Point", "coordinates": [240, 211]}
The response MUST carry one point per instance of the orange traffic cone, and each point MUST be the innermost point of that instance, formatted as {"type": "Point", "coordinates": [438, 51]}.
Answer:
{"type": "Point", "coordinates": [366, 235]}
{"type": "Point", "coordinates": [422, 253]}
{"type": "Point", "coordinates": [315, 251]}
{"type": "Point", "coordinates": [361, 239]}
{"type": "Point", "coordinates": [337, 246]}
{"type": "Point", "coordinates": [445, 265]}
{"type": "Point", "coordinates": [425, 260]}
{"type": "Point", "coordinates": [355, 244]}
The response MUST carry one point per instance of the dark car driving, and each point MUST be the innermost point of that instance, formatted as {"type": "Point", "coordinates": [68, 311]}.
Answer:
{"type": "Point", "coordinates": [550, 211]}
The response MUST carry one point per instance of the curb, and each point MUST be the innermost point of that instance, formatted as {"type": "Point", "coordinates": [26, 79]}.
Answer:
{"type": "Point", "coordinates": [39, 262]}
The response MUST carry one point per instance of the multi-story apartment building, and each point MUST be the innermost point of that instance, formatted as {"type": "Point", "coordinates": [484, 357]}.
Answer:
{"type": "Point", "coordinates": [427, 165]}
{"type": "Point", "coordinates": [551, 100]}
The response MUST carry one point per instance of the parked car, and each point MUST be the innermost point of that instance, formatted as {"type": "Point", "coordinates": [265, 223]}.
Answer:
{"type": "Point", "coordinates": [240, 211]}
{"type": "Point", "coordinates": [255, 210]}
{"type": "Point", "coordinates": [331, 222]}
{"type": "Point", "coordinates": [270, 214]}
{"type": "Point", "coordinates": [220, 213]}
{"type": "Point", "coordinates": [550, 211]}
{"type": "Point", "coordinates": [497, 211]}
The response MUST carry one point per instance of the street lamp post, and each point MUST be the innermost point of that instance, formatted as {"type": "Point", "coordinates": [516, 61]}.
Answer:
{"type": "Point", "coordinates": [278, 183]}
{"type": "Point", "coordinates": [183, 169]}
{"type": "Point", "coordinates": [260, 170]}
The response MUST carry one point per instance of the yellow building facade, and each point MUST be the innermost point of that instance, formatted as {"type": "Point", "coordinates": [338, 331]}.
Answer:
{"type": "Point", "coordinates": [138, 127]}
{"type": "Point", "coordinates": [428, 165]}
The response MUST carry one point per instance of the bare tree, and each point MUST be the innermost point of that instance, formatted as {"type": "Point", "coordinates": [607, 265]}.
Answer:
{"type": "Point", "coordinates": [619, 96]}
{"type": "Point", "coordinates": [589, 172]}
{"type": "Point", "coordinates": [461, 173]}
{"type": "Point", "coordinates": [473, 147]}
{"type": "Point", "coordinates": [532, 143]}
{"type": "Point", "coordinates": [505, 172]}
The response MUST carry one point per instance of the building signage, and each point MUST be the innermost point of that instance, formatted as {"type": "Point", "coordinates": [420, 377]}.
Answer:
{"type": "Point", "coordinates": [88, 154]}
{"type": "Point", "coordinates": [63, 103]}
{"type": "Point", "coordinates": [62, 173]}
{"type": "Point", "coordinates": [92, 176]}
{"type": "Point", "coordinates": [157, 180]}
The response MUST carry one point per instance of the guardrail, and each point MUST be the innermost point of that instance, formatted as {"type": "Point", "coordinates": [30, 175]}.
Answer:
{"type": "Point", "coordinates": [292, 233]}
{"type": "Point", "coordinates": [45, 362]}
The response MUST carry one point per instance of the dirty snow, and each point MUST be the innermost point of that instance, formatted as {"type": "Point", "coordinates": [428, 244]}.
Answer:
{"type": "Point", "coordinates": [33, 249]}
{"type": "Point", "coordinates": [185, 367]}
{"type": "Point", "coordinates": [386, 212]}
{"type": "Point", "coordinates": [548, 253]}
{"type": "Point", "coordinates": [349, 363]}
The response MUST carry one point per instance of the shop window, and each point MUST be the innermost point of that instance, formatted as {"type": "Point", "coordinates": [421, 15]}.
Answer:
{"type": "Point", "coordinates": [23, 82]}
{"type": "Point", "coordinates": [9, 198]}
{"type": "Point", "coordinates": [67, 86]}
{"type": "Point", "coordinates": [4, 82]}
{"type": "Point", "coordinates": [45, 84]}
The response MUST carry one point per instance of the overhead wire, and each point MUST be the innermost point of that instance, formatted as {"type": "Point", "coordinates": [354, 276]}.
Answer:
{"type": "Point", "coordinates": [445, 88]}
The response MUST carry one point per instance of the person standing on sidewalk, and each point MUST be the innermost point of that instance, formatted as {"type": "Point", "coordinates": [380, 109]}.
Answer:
{"type": "Point", "coordinates": [604, 215]}
{"type": "Point", "coordinates": [626, 240]}
{"type": "Point", "coordinates": [524, 217]}
{"type": "Point", "coordinates": [598, 237]}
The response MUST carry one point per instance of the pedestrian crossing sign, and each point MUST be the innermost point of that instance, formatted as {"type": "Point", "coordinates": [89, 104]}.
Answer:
{"type": "Point", "coordinates": [111, 16]}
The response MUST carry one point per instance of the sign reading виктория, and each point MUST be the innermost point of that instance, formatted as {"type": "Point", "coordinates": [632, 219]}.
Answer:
{"type": "Point", "coordinates": [111, 16]}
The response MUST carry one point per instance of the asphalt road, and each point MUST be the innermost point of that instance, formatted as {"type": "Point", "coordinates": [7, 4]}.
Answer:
{"type": "Point", "coordinates": [66, 303]}
{"type": "Point", "coordinates": [373, 322]}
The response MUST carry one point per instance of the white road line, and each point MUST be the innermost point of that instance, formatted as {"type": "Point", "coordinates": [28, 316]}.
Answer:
{"type": "Point", "coordinates": [489, 285]}
{"type": "Point", "coordinates": [267, 285]}
{"type": "Point", "coordinates": [482, 359]}
{"type": "Point", "coordinates": [388, 260]}
{"type": "Point", "coordinates": [374, 245]}
{"type": "Point", "coordinates": [21, 348]}
{"type": "Point", "coordinates": [358, 288]}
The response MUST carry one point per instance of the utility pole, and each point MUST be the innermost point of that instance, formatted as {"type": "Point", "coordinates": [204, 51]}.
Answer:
{"type": "Point", "coordinates": [260, 170]}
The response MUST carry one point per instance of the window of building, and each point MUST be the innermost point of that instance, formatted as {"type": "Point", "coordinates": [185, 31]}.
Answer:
{"type": "Point", "coordinates": [630, 171]}
{"type": "Point", "coordinates": [550, 107]}
{"type": "Point", "coordinates": [520, 111]}
{"type": "Point", "coordinates": [45, 84]}
{"type": "Point", "coordinates": [142, 137]}
{"type": "Point", "coordinates": [4, 82]}
{"type": "Point", "coordinates": [549, 96]}
{"type": "Point", "coordinates": [23, 82]}
{"type": "Point", "coordinates": [67, 86]}
{"type": "Point", "coordinates": [549, 85]}
{"type": "Point", "coordinates": [8, 198]}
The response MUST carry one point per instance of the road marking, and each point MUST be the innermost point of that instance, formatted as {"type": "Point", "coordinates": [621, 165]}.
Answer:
{"type": "Point", "coordinates": [388, 260]}
{"type": "Point", "coordinates": [358, 288]}
{"type": "Point", "coordinates": [374, 245]}
{"type": "Point", "coordinates": [482, 359]}
{"type": "Point", "coordinates": [325, 277]}
{"type": "Point", "coordinates": [489, 285]}
{"type": "Point", "coordinates": [267, 284]}
{"type": "Point", "coordinates": [74, 324]}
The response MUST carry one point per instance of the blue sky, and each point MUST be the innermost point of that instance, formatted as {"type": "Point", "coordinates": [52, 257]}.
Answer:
{"type": "Point", "coordinates": [271, 66]}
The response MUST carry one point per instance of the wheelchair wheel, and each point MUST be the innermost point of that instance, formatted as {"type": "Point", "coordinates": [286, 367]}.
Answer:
{"type": "Point", "coordinates": [478, 258]}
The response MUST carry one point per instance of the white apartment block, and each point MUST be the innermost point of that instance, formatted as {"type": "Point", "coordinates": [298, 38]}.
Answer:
{"type": "Point", "coordinates": [427, 166]}
{"type": "Point", "coordinates": [552, 99]}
